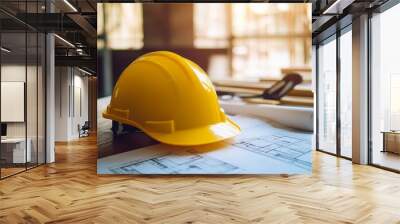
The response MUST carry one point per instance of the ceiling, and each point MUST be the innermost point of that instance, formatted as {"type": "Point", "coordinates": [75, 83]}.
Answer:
{"type": "Point", "coordinates": [328, 15]}
{"type": "Point", "coordinates": [74, 22]}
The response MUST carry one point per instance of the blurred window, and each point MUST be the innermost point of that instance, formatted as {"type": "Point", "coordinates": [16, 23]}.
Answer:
{"type": "Point", "coordinates": [264, 37]}
{"type": "Point", "coordinates": [126, 33]}
{"type": "Point", "coordinates": [210, 25]}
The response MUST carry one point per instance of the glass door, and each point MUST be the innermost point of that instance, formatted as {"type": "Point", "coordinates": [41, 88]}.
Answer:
{"type": "Point", "coordinates": [22, 77]}
{"type": "Point", "coordinates": [35, 89]}
{"type": "Point", "coordinates": [14, 155]}
{"type": "Point", "coordinates": [32, 98]}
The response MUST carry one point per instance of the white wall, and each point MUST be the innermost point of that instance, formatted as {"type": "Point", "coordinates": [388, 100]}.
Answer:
{"type": "Point", "coordinates": [71, 93]}
{"type": "Point", "coordinates": [15, 72]}
{"type": "Point", "coordinates": [61, 103]}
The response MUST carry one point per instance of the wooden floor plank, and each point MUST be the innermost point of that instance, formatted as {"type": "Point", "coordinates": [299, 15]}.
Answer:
{"type": "Point", "coordinates": [70, 191]}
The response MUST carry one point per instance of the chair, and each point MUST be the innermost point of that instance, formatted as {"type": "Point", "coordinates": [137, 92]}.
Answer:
{"type": "Point", "coordinates": [84, 130]}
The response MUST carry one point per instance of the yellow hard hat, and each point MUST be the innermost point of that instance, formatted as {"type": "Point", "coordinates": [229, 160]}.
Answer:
{"type": "Point", "coordinates": [171, 99]}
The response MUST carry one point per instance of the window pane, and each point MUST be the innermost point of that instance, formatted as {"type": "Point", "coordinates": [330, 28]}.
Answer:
{"type": "Point", "coordinates": [327, 96]}
{"type": "Point", "coordinates": [385, 89]}
{"type": "Point", "coordinates": [346, 94]}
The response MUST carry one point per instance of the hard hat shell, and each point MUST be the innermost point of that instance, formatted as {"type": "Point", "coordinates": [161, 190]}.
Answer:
{"type": "Point", "coordinates": [171, 99]}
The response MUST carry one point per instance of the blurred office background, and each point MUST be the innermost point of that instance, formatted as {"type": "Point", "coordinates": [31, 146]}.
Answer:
{"type": "Point", "coordinates": [254, 42]}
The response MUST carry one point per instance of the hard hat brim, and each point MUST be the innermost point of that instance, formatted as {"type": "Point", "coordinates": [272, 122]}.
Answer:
{"type": "Point", "coordinates": [199, 136]}
{"type": "Point", "coordinates": [189, 137]}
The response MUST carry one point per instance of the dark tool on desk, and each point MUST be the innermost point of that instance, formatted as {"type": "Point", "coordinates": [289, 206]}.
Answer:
{"type": "Point", "coordinates": [276, 91]}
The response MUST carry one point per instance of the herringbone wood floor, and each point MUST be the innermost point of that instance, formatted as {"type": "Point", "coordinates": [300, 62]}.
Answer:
{"type": "Point", "coordinates": [70, 191]}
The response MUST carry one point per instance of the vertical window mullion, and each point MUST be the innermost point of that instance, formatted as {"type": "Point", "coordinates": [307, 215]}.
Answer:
{"type": "Point", "coordinates": [338, 74]}
{"type": "Point", "coordinates": [26, 87]}
{"type": "Point", "coordinates": [316, 96]}
{"type": "Point", "coordinates": [369, 100]}
{"type": "Point", "coordinates": [37, 89]}
{"type": "Point", "coordinates": [0, 96]}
